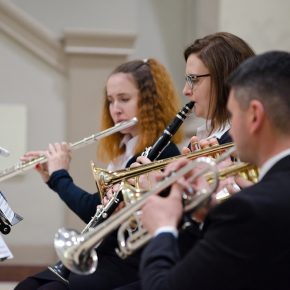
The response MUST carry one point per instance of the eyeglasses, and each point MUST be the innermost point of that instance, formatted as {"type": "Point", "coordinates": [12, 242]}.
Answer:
{"type": "Point", "coordinates": [192, 79]}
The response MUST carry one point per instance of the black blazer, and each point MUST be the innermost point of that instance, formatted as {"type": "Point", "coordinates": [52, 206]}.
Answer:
{"type": "Point", "coordinates": [246, 243]}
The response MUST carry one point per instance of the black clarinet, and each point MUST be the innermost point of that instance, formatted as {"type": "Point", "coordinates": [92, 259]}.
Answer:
{"type": "Point", "coordinates": [152, 153]}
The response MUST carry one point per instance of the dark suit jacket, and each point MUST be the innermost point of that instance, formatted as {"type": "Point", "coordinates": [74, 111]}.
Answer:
{"type": "Point", "coordinates": [246, 243]}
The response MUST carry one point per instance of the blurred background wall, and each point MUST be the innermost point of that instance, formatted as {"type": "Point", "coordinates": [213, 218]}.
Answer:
{"type": "Point", "coordinates": [54, 59]}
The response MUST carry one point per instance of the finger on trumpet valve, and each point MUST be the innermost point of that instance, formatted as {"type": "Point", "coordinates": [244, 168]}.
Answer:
{"type": "Point", "coordinates": [221, 195]}
{"type": "Point", "coordinates": [130, 193]}
{"type": "Point", "coordinates": [188, 190]}
{"type": "Point", "coordinates": [228, 189]}
{"type": "Point", "coordinates": [204, 143]}
{"type": "Point", "coordinates": [213, 142]}
{"type": "Point", "coordinates": [235, 187]}
{"type": "Point", "coordinates": [194, 143]}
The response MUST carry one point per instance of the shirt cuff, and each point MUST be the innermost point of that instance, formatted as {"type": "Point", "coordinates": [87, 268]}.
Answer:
{"type": "Point", "coordinates": [166, 229]}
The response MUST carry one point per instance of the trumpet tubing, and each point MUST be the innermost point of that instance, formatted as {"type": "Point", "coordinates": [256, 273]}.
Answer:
{"type": "Point", "coordinates": [77, 251]}
{"type": "Point", "coordinates": [105, 179]}
{"type": "Point", "coordinates": [245, 170]}
{"type": "Point", "coordinates": [131, 240]}
{"type": "Point", "coordinates": [24, 166]}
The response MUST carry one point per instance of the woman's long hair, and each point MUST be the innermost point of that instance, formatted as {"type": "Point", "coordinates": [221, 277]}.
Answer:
{"type": "Point", "coordinates": [157, 105]}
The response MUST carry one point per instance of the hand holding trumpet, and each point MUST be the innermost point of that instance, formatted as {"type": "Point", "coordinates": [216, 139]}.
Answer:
{"type": "Point", "coordinates": [166, 212]}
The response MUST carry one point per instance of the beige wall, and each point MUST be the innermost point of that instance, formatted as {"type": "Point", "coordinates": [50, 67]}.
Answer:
{"type": "Point", "coordinates": [27, 80]}
{"type": "Point", "coordinates": [264, 24]}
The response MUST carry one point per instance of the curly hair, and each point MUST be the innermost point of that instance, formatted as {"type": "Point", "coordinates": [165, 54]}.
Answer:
{"type": "Point", "coordinates": [221, 53]}
{"type": "Point", "coordinates": [157, 105]}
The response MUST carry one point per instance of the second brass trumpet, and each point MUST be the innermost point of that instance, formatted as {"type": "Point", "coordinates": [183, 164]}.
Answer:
{"type": "Point", "coordinates": [105, 179]}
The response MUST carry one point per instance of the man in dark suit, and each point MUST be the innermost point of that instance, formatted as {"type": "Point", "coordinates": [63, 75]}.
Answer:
{"type": "Point", "coordinates": [246, 239]}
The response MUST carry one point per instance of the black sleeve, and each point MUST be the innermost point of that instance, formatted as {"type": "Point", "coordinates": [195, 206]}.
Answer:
{"type": "Point", "coordinates": [169, 151]}
{"type": "Point", "coordinates": [78, 200]}
{"type": "Point", "coordinates": [225, 138]}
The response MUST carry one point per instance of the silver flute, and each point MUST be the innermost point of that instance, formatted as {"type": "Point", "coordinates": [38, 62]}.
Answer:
{"type": "Point", "coordinates": [24, 166]}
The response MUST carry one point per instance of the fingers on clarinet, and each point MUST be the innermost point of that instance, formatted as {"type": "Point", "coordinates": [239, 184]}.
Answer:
{"type": "Point", "coordinates": [145, 160]}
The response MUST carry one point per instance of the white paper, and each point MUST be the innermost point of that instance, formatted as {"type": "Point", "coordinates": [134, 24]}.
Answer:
{"type": "Point", "coordinates": [6, 212]}
{"type": "Point", "coordinates": [4, 250]}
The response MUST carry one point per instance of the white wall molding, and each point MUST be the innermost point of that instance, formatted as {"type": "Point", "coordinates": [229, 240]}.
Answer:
{"type": "Point", "coordinates": [18, 25]}
{"type": "Point", "coordinates": [31, 34]}
{"type": "Point", "coordinates": [89, 42]}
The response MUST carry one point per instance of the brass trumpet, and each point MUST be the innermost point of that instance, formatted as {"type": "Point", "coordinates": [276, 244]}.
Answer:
{"type": "Point", "coordinates": [105, 179]}
{"type": "Point", "coordinates": [23, 166]}
{"type": "Point", "coordinates": [77, 251]}
{"type": "Point", "coordinates": [131, 234]}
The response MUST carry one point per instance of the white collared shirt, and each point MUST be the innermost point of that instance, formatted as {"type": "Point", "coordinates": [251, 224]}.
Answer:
{"type": "Point", "coordinates": [166, 229]}
{"type": "Point", "coordinates": [120, 162]}
{"type": "Point", "coordinates": [202, 131]}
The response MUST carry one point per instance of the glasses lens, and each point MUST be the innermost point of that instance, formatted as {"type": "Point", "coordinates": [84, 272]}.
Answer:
{"type": "Point", "coordinates": [188, 80]}
{"type": "Point", "coordinates": [191, 80]}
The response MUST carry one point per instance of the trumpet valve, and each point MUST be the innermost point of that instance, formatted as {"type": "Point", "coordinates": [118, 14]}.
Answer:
{"type": "Point", "coordinates": [130, 193]}
{"type": "Point", "coordinates": [102, 179]}
{"type": "Point", "coordinates": [250, 173]}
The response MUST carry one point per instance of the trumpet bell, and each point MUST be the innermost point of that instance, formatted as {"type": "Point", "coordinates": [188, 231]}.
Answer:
{"type": "Point", "coordinates": [66, 244]}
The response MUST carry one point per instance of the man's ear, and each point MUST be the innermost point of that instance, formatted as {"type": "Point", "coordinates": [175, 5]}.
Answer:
{"type": "Point", "coordinates": [256, 115]}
